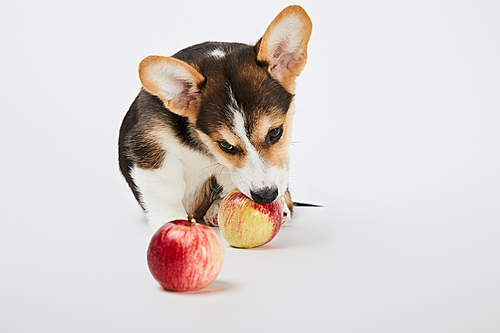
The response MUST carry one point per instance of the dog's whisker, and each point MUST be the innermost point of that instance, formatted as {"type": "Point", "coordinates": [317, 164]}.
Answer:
{"type": "Point", "coordinates": [215, 193]}
{"type": "Point", "coordinates": [295, 165]}
{"type": "Point", "coordinates": [302, 109]}
{"type": "Point", "coordinates": [296, 188]}
{"type": "Point", "coordinates": [222, 170]}
{"type": "Point", "coordinates": [216, 165]}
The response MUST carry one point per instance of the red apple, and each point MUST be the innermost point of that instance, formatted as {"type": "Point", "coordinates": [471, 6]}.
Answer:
{"type": "Point", "coordinates": [245, 223]}
{"type": "Point", "coordinates": [185, 255]}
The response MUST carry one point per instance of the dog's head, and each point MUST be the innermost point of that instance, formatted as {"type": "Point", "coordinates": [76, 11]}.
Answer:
{"type": "Point", "coordinates": [239, 99]}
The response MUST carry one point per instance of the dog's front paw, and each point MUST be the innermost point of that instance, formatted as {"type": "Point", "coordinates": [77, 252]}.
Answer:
{"type": "Point", "coordinates": [210, 217]}
{"type": "Point", "coordinates": [287, 214]}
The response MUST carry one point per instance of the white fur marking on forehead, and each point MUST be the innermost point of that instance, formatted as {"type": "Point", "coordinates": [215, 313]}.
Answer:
{"type": "Point", "coordinates": [217, 53]}
{"type": "Point", "coordinates": [254, 160]}
{"type": "Point", "coordinates": [239, 129]}
{"type": "Point", "coordinates": [232, 107]}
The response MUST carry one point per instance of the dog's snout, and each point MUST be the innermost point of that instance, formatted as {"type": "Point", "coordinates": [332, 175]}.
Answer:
{"type": "Point", "coordinates": [265, 195]}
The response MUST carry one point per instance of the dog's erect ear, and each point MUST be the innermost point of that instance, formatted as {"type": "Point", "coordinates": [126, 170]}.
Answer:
{"type": "Point", "coordinates": [174, 82]}
{"type": "Point", "coordinates": [284, 45]}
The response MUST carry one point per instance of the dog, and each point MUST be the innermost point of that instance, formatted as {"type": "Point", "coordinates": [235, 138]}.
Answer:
{"type": "Point", "coordinates": [213, 117]}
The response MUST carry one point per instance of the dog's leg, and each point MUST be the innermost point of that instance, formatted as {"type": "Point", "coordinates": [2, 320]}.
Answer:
{"type": "Point", "coordinates": [161, 191]}
{"type": "Point", "coordinates": [226, 185]}
{"type": "Point", "coordinates": [210, 217]}
{"type": "Point", "coordinates": [286, 199]}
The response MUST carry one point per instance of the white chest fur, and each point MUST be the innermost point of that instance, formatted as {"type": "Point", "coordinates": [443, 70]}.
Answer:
{"type": "Point", "coordinates": [169, 192]}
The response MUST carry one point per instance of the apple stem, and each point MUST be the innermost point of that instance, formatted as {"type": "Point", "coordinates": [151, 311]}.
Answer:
{"type": "Point", "coordinates": [190, 218]}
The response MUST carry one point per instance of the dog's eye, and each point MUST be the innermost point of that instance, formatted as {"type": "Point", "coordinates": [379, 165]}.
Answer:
{"type": "Point", "coordinates": [275, 134]}
{"type": "Point", "coordinates": [227, 147]}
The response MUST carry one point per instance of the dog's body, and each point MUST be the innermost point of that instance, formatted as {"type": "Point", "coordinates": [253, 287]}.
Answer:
{"type": "Point", "coordinates": [213, 117]}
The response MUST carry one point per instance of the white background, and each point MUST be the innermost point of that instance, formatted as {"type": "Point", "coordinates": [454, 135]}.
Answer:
{"type": "Point", "coordinates": [397, 134]}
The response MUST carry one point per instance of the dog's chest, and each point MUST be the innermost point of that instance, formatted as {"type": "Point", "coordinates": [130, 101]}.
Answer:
{"type": "Point", "coordinates": [194, 167]}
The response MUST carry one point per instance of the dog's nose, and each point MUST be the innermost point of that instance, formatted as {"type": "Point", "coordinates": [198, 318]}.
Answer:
{"type": "Point", "coordinates": [265, 195]}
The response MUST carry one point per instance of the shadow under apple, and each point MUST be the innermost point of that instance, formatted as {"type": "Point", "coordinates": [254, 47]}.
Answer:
{"type": "Point", "coordinates": [215, 287]}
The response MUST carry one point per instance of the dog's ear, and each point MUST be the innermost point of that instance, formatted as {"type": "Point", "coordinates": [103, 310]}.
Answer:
{"type": "Point", "coordinates": [284, 45]}
{"type": "Point", "coordinates": [174, 82]}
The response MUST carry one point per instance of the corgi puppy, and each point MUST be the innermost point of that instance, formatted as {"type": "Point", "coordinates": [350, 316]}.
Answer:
{"type": "Point", "coordinates": [213, 117]}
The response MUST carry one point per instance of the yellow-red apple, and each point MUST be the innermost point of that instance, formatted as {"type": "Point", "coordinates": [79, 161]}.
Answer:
{"type": "Point", "coordinates": [245, 223]}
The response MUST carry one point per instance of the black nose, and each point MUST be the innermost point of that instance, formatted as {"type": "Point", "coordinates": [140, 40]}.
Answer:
{"type": "Point", "coordinates": [265, 195]}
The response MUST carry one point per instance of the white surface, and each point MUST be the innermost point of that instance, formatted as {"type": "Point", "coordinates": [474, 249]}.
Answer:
{"type": "Point", "coordinates": [397, 134]}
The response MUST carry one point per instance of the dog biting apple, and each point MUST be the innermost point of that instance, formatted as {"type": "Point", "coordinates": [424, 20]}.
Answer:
{"type": "Point", "coordinates": [245, 223]}
{"type": "Point", "coordinates": [185, 256]}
